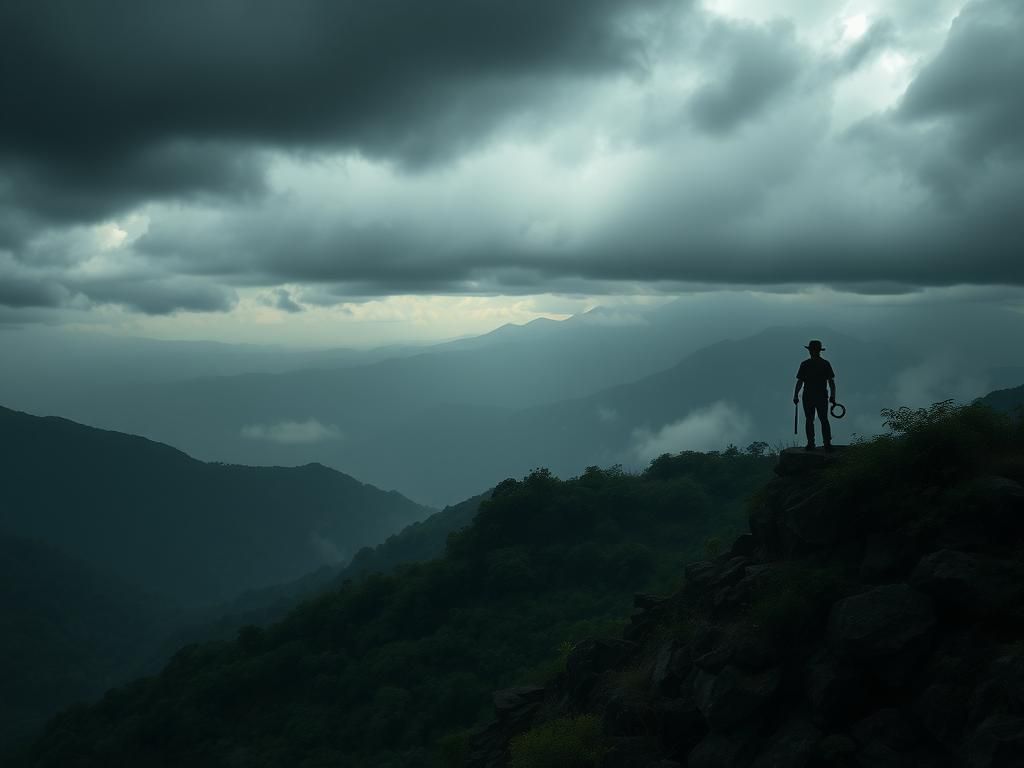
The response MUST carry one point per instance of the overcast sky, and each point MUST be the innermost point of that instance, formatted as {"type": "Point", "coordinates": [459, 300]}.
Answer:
{"type": "Point", "coordinates": [339, 171]}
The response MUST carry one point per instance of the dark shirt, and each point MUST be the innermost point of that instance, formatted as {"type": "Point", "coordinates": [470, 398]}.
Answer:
{"type": "Point", "coordinates": [814, 373]}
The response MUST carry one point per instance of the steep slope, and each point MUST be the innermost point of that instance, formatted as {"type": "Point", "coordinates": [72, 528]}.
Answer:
{"type": "Point", "coordinates": [160, 519]}
{"type": "Point", "coordinates": [418, 542]}
{"type": "Point", "coordinates": [871, 618]}
{"type": "Point", "coordinates": [67, 633]}
{"type": "Point", "coordinates": [374, 673]}
{"type": "Point", "coordinates": [1005, 399]}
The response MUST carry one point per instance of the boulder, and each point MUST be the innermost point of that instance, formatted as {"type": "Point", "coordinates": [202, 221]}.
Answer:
{"type": "Point", "coordinates": [886, 726]}
{"type": "Point", "coordinates": [680, 726]}
{"type": "Point", "coordinates": [811, 525]}
{"type": "Point", "coordinates": [797, 461]}
{"type": "Point", "coordinates": [794, 745]}
{"type": "Point", "coordinates": [883, 622]}
{"type": "Point", "coordinates": [887, 557]}
{"type": "Point", "coordinates": [719, 751]}
{"type": "Point", "coordinates": [970, 584]}
{"type": "Point", "coordinates": [732, 697]}
{"type": "Point", "coordinates": [997, 743]}
{"type": "Point", "coordinates": [671, 666]}
{"type": "Point", "coordinates": [592, 658]}
{"type": "Point", "coordinates": [833, 690]}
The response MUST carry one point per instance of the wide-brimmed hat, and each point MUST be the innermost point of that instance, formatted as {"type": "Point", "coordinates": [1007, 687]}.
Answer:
{"type": "Point", "coordinates": [815, 344]}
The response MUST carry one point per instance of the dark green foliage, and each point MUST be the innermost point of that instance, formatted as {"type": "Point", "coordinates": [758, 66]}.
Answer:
{"type": "Point", "coordinates": [943, 444]}
{"type": "Point", "coordinates": [569, 742]}
{"type": "Point", "coordinates": [67, 632]}
{"type": "Point", "coordinates": [385, 669]}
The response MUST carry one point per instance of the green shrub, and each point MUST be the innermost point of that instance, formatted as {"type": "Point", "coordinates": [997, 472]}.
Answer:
{"type": "Point", "coordinates": [569, 742]}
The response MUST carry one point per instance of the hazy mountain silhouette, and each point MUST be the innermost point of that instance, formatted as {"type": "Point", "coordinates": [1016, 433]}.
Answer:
{"type": "Point", "coordinates": [158, 518]}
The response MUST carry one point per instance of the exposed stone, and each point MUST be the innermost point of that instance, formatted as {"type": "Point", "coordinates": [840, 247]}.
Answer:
{"type": "Point", "coordinates": [680, 726]}
{"type": "Point", "coordinates": [743, 546]}
{"type": "Point", "coordinates": [720, 751]}
{"type": "Point", "coordinates": [708, 575]}
{"type": "Point", "coordinates": [941, 709]}
{"type": "Point", "coordinates": [728, 698]}
{"type": "Point", "coordinates": [874, 754]}
{"type": "Point", "coordinates": [886, 726]}
{"type": "Point", "coordinates": [970, 584]}
{"type": "Point", "coordinates": [671, 665]}
{"type": "Point", "coordinates": [797, 461]}
{"type": "Point", "coordinates": [997, 743]}
{"type": "Point", "coordinates": [809, 525]}
{"type": "Point", "coordinates": [887, 557]}
{"type": "Point", "coordinates": [715, 659]}
{"type": "Point", "coordinates": [627, 717]}
{"type": "Point", "coordinates": [514, 709]}
{"type": "Point", "coordinates": [1001, 690]}
{"type": "Point", "coordinates": [833, 690]}
{"type": "Point", "coordinates": [837, 751]}
{"type": "Point", "coordinates": [794, 745]}
{"type": "Point", "coordinates": [884, 621]}
{"type": "Point", "coordinates": [590, 659]}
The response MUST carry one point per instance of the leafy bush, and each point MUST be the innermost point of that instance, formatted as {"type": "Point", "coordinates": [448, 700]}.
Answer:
{"type": "Point", "coordinates": [569, 742]}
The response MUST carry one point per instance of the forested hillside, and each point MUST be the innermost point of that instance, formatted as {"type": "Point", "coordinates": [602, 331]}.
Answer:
{"type": "Point", "coordinates": [67, 633]}
{"type": "Point", "coordinates": [389, 670]}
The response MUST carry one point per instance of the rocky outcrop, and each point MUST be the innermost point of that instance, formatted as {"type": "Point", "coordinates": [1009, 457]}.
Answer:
{"type": "Point", "coordinates": [881, 630]}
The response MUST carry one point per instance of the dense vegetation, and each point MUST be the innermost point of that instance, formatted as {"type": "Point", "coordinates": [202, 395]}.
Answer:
{"type": "Point", "coordinates": [191, 530]}
{"type": "Point", "coordinates": [383, 670]}
{"type": "Point", "coordinates": [67, 633]}
{"type": "Point", "coordinates": [872, 617]}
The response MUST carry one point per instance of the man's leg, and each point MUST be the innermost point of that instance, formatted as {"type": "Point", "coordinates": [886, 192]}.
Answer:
{"type": "Point", "coordinates": [809, 421]}
{"type": "Point", "coordinates": [826, 428]}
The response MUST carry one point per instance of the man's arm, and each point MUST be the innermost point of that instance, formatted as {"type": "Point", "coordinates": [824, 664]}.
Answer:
{"type": "Point", "coordinates": [796, 392]}
{"type": "Point", "coordinates": [832, 391]}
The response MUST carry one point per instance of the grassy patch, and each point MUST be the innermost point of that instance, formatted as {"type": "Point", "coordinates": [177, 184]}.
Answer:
{"type": "Point", "coordinates": [569, 742]}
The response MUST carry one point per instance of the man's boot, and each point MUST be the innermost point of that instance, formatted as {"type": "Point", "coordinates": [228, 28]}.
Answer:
{"type": "Point", "coordinates": [810, 446]}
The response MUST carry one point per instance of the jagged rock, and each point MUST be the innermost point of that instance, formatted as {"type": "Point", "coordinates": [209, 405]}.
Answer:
{"type": "Point", "coordinates": [590, 659]}
{"type": "Point", "coordinates": [647, 611]}
{"type": "Point", "coordinates": [941, 709]}
{"type": "Point", "coordinates": [797, 461]}
{"type": "Point", "coordinates": [715, 659]}
{"type": "Point", "coordinates": [665, 764]}
{"type": "Point", "coordinates": [680, 726]}
{"type": "Point", "coordinates": [1001, 690]}
{"type": "Point", "coordinates": [754, 649]}
{"type": "Point", "coordinates": [671, 666]}
{"type": "Point", "coordinates": [833, 690]}
{"type": "Point", "coordinates": [627, 717]}
{"type": "Point", "coordinates": [887, 557]}
{"type": "Point", "coordinates": [743, 546]}
{"type": "Point", "coordinates": [882, 622]}
{"type": "Point", "coordinates": [886, 726]}
{"type": "Point", "coordinates": [710, 575]}
{"type": "Point", "coordinates": [794, 745]}
{"type": "Point", "coordinates": [837, 751]}
{"type": "Point", "coordinates": [808, 525]}
{"type": "Point", "coordinates": [720, 751]}
{"type": "Point", "coordinates": [971, 584]}
{"type": "Point", "coordinates": [514, 709]}
{"type": "Point", "coordinates": [997, 743]}
{"type": "Point", "coordinates": [630, 752]}
{"type": "Point", "coordinates": [874, 754]}
{"type": "Point", "coordinates": [728, 698]}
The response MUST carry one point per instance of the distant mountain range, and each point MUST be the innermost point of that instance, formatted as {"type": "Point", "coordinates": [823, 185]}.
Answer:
{"type": "Point", "coordinates": [196, 532]}
{"type": "Point", "coordinates": [441, 423]}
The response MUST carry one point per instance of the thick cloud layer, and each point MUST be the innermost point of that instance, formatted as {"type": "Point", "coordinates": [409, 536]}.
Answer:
{"type": "Point", "coordinates": [164, 157]}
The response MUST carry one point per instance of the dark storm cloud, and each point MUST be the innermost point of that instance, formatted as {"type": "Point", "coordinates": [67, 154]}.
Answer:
{"type": "Point", "coordinates": [960, 124]}
{"type": "Point", "coordinates": [282, 299]}
{"type": "Point", "coordinates": [108, 104]}
{"type": "Point", "coordinates": [748, 66]}
{"type": "Point", "coordinates": [19, 292]}
{"type": "Point", "coordinates": [160, 295]}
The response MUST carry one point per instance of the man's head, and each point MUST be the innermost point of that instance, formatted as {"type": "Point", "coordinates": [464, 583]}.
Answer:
{"type": "Point", "coordinates": [815, 348]}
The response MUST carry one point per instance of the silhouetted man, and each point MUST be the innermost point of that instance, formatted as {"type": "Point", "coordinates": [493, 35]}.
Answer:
{"type": "Point", "coordinates": [814, 375]}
